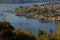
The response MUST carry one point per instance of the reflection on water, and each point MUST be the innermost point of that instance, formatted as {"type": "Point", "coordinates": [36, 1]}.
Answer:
{"type": "Point", "coordinates": [20, 22]}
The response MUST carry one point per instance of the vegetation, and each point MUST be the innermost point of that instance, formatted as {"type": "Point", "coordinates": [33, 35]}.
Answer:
{"type": "Point", "coordinates": [8, 32]}
{"type": "Point", "coordinates": [49, 36]}
{"type": "Point", "coordinates": [58, 28]}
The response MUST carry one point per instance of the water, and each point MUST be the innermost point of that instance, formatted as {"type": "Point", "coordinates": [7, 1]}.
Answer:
{"type": "Point", "coordinates": [24, 23]}
{"type": "Point", "coordinates": [20, 22]}
{"type": "Point", "coordinates": [26, 1]}
{"type": "Point", "coordinates": [10, 6]}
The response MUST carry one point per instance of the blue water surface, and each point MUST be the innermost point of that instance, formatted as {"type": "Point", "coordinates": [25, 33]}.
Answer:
{"type": "Point", "coordinates": [20, 22]}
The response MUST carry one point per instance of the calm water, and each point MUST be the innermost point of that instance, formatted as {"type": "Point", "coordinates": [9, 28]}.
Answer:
{"type": "Point", "coordinates": [10, 6]}
{"type": "Point", "coordinates": [29, 24]}
{"type": "Point", "coordinates": [24, 23]}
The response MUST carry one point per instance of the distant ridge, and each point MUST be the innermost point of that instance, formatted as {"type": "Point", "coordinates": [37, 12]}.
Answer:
{"type": "Point", "coordinates": [25, 1]}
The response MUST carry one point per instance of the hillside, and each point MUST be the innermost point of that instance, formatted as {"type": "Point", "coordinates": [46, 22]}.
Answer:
{"type": "Point", "coordinates": [47, 12]}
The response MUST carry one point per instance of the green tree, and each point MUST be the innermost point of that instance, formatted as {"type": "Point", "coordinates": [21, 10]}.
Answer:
{"type": "Point", "coordinates": [40, 32]}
